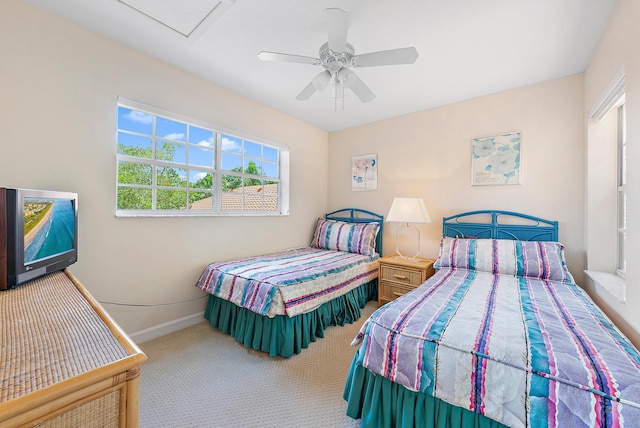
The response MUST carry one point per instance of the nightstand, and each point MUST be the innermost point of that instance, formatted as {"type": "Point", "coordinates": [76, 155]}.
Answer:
{"type": "Point", "coordinates": [399, 276]}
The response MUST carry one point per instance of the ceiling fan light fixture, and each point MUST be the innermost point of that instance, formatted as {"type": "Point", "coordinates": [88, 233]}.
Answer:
{"type": "Point", "coordinates": [321, 81]}
{"type": "Point", "coordinates": [347, 77]}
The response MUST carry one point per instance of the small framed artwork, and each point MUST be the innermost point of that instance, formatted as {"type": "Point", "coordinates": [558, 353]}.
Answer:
{"type": "Point", "coordinates": [364, 173]}
{"type": "Point", "coordinates": [495, 159]}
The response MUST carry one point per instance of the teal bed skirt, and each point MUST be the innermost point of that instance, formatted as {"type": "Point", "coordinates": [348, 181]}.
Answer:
{"type": "Point", "coordinates": [283, 335]}
{"type": "Point", "coordinates": [380, 402]}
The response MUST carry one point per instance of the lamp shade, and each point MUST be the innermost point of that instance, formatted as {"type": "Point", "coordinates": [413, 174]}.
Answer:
{"type": "Point", "coordinates": [408, 210]}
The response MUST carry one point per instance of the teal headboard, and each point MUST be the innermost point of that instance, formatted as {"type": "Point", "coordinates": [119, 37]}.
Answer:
{"type": "Point", "coordinates": [499, 225]}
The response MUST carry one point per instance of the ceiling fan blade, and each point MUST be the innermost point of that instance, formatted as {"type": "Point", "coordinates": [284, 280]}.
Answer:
{"type": "Point", "coordinates": [282, 57]}
{"type": "Point", "coordinates": [363, 92]}
{"type": "Point", "coordinates": [321, 81]}
{"type": "Point", "coordinates": [306, 93]}
{"type": "Point", "coordinates": [352, 81]}
{"type": "Point", "coordinates": [338, 28]}
{"type": "Point", "coordinates": [390, 57]}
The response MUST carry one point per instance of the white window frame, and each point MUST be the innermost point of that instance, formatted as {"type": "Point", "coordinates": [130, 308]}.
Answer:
{"type": "Point", "coordinates": [217, 171]}
{"type": "Point", "coordinates": [621, 262]}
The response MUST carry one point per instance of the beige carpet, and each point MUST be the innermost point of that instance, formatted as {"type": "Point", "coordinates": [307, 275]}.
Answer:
{"type": "Point", "coordinates": [199, 377]}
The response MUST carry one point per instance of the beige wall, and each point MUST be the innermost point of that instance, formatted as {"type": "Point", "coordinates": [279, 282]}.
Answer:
{"type": "Point", "coordinates": [60, 84]}
{"type": "Point", "coordinates": [618, 48]}
{"type": "Point", "coordinates": [428, 154]}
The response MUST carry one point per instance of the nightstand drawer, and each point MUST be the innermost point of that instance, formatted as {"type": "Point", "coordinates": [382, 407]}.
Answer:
{"type": "Point", "coordinates": [401, 275]}
{"type": "Point", "coordinates": [390, 291]}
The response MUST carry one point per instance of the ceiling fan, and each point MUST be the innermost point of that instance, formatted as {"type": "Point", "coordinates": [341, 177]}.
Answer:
{"type": "Point", "coordinates": [337, 57]}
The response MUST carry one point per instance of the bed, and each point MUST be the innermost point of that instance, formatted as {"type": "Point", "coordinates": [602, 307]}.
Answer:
{"type": "Point", "coordinates": [500, 336]}
{"type": "Point", "coordinates": [279, 303]}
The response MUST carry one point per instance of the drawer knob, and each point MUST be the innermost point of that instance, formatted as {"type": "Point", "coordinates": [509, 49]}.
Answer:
{"type": "Point", "coordinates": [395, 293]}
{"type": "Point", "coordinates": [395, 275]}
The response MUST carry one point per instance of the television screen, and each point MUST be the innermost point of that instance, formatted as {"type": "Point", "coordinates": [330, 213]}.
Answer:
{"type": "Point", "coordinates": [38, 234]}
{"type": "Point", "coordinates": [49, 228]}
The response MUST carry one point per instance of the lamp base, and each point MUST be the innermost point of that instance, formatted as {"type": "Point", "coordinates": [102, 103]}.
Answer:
{"type": "Point", "coordinates": [414, 259]}
{"type": "Point", "coordinates": [402, 256]}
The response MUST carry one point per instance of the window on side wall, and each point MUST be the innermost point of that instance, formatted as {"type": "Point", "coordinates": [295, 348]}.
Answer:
{"type": "Point", "coordinates": [170, 165]}
{"type": "Point", "coordinates": [606, 223]}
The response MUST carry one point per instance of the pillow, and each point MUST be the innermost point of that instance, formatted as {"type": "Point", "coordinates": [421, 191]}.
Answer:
{"type": "Point", "coordinates": [536, 259]}
{"type": "Point", "coordinates": [359, 238]}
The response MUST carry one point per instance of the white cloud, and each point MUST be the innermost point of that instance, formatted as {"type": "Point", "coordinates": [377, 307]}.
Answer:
{"type": "Point", "coordinates": [199, 176]}
{"type": "Point", "coordinates": [175, 136]}
{"type": "Point", "coordinates": [138, 116]}
{"type": "Point", "coordinates": [230, 145]}
{"type": "Point", "coordinates": [206, 143]}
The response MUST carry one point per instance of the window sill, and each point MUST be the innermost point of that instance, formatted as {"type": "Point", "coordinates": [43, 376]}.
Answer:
{"type": "Point", "coordinates": [611, 283]}
{"type": "Point", "coordinates": [125, 214]}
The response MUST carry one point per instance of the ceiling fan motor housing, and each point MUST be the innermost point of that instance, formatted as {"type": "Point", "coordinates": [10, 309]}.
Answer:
{"type": "Point", "coordinates": [334, 61]}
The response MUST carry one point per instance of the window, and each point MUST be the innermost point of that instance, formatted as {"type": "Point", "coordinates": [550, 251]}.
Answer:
{"type": "Point", "coordinates": [606, 220]}
{"type": "Point", "coordinates": [621, 261]}
{"type": "Point", "coordinates": [171, 165]}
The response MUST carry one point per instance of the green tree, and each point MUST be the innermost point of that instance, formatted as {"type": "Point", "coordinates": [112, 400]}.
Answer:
{"type": "Point", "coordinates": [231, 182]}
{"type": "Point", "coordinates": [134, 173]}
{"type": "Point", "coordinates": [252, 168]}
{"type": "Point", "coordinates": [140, 173]}
{"type": "Point", "coordinates": [169, 199]}
{"type": "Point", "coordinates": [205, 182]}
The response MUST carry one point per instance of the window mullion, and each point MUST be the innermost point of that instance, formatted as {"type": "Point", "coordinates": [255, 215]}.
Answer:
{"type": "Point", "coordinates": [154, 181]}
{"type": "Point", "coordinates": [217, 182]}
{"type": "Point", "coordinates": [187, 167]}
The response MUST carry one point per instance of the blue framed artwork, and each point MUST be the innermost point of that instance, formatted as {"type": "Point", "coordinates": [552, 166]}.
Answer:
{"type": "Point", "coordinates": [495, 159]}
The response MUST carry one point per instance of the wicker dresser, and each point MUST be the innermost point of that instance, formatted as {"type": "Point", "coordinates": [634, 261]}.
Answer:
{"type": "Point", "coordinates": [63, 360]}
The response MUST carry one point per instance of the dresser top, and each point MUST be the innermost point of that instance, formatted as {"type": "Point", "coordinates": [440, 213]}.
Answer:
{"type": "Point", "coordinates": [49, 333]}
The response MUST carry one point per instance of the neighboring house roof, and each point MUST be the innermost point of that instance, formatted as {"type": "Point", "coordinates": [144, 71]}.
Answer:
{"type": "Point", "coordinates": [254, 198]}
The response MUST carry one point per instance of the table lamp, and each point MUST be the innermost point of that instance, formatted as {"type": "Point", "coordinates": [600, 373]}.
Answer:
{"type": "Point", "coordinates": [408, 210]}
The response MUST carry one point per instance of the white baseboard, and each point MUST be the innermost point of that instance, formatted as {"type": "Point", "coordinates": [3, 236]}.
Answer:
{"type": "Point", "coordinates": [167, 327]}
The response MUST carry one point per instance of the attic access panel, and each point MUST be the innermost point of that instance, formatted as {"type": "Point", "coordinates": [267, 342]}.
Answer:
{"type": "Point", "coordinates": [180, 16]}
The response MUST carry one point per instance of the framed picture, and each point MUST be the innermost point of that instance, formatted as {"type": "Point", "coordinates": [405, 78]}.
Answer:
{"type": "Point", "coordinates": [495, 159]}
{"type": "Point", "coordinates": [364, 173]}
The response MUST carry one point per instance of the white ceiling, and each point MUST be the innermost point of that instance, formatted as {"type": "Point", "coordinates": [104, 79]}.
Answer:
{"type": "Point", "coordinates": [467, 48]}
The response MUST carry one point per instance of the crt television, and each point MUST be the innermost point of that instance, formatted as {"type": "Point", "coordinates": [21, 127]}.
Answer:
{"type": "Point", "coordinates": [40, 233]}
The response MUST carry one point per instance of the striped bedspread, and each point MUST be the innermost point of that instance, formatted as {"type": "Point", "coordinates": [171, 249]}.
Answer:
{"type": "Point", "coordinates": [523, 351]}
{"type": "Point", "coordinates": [290, 282]}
